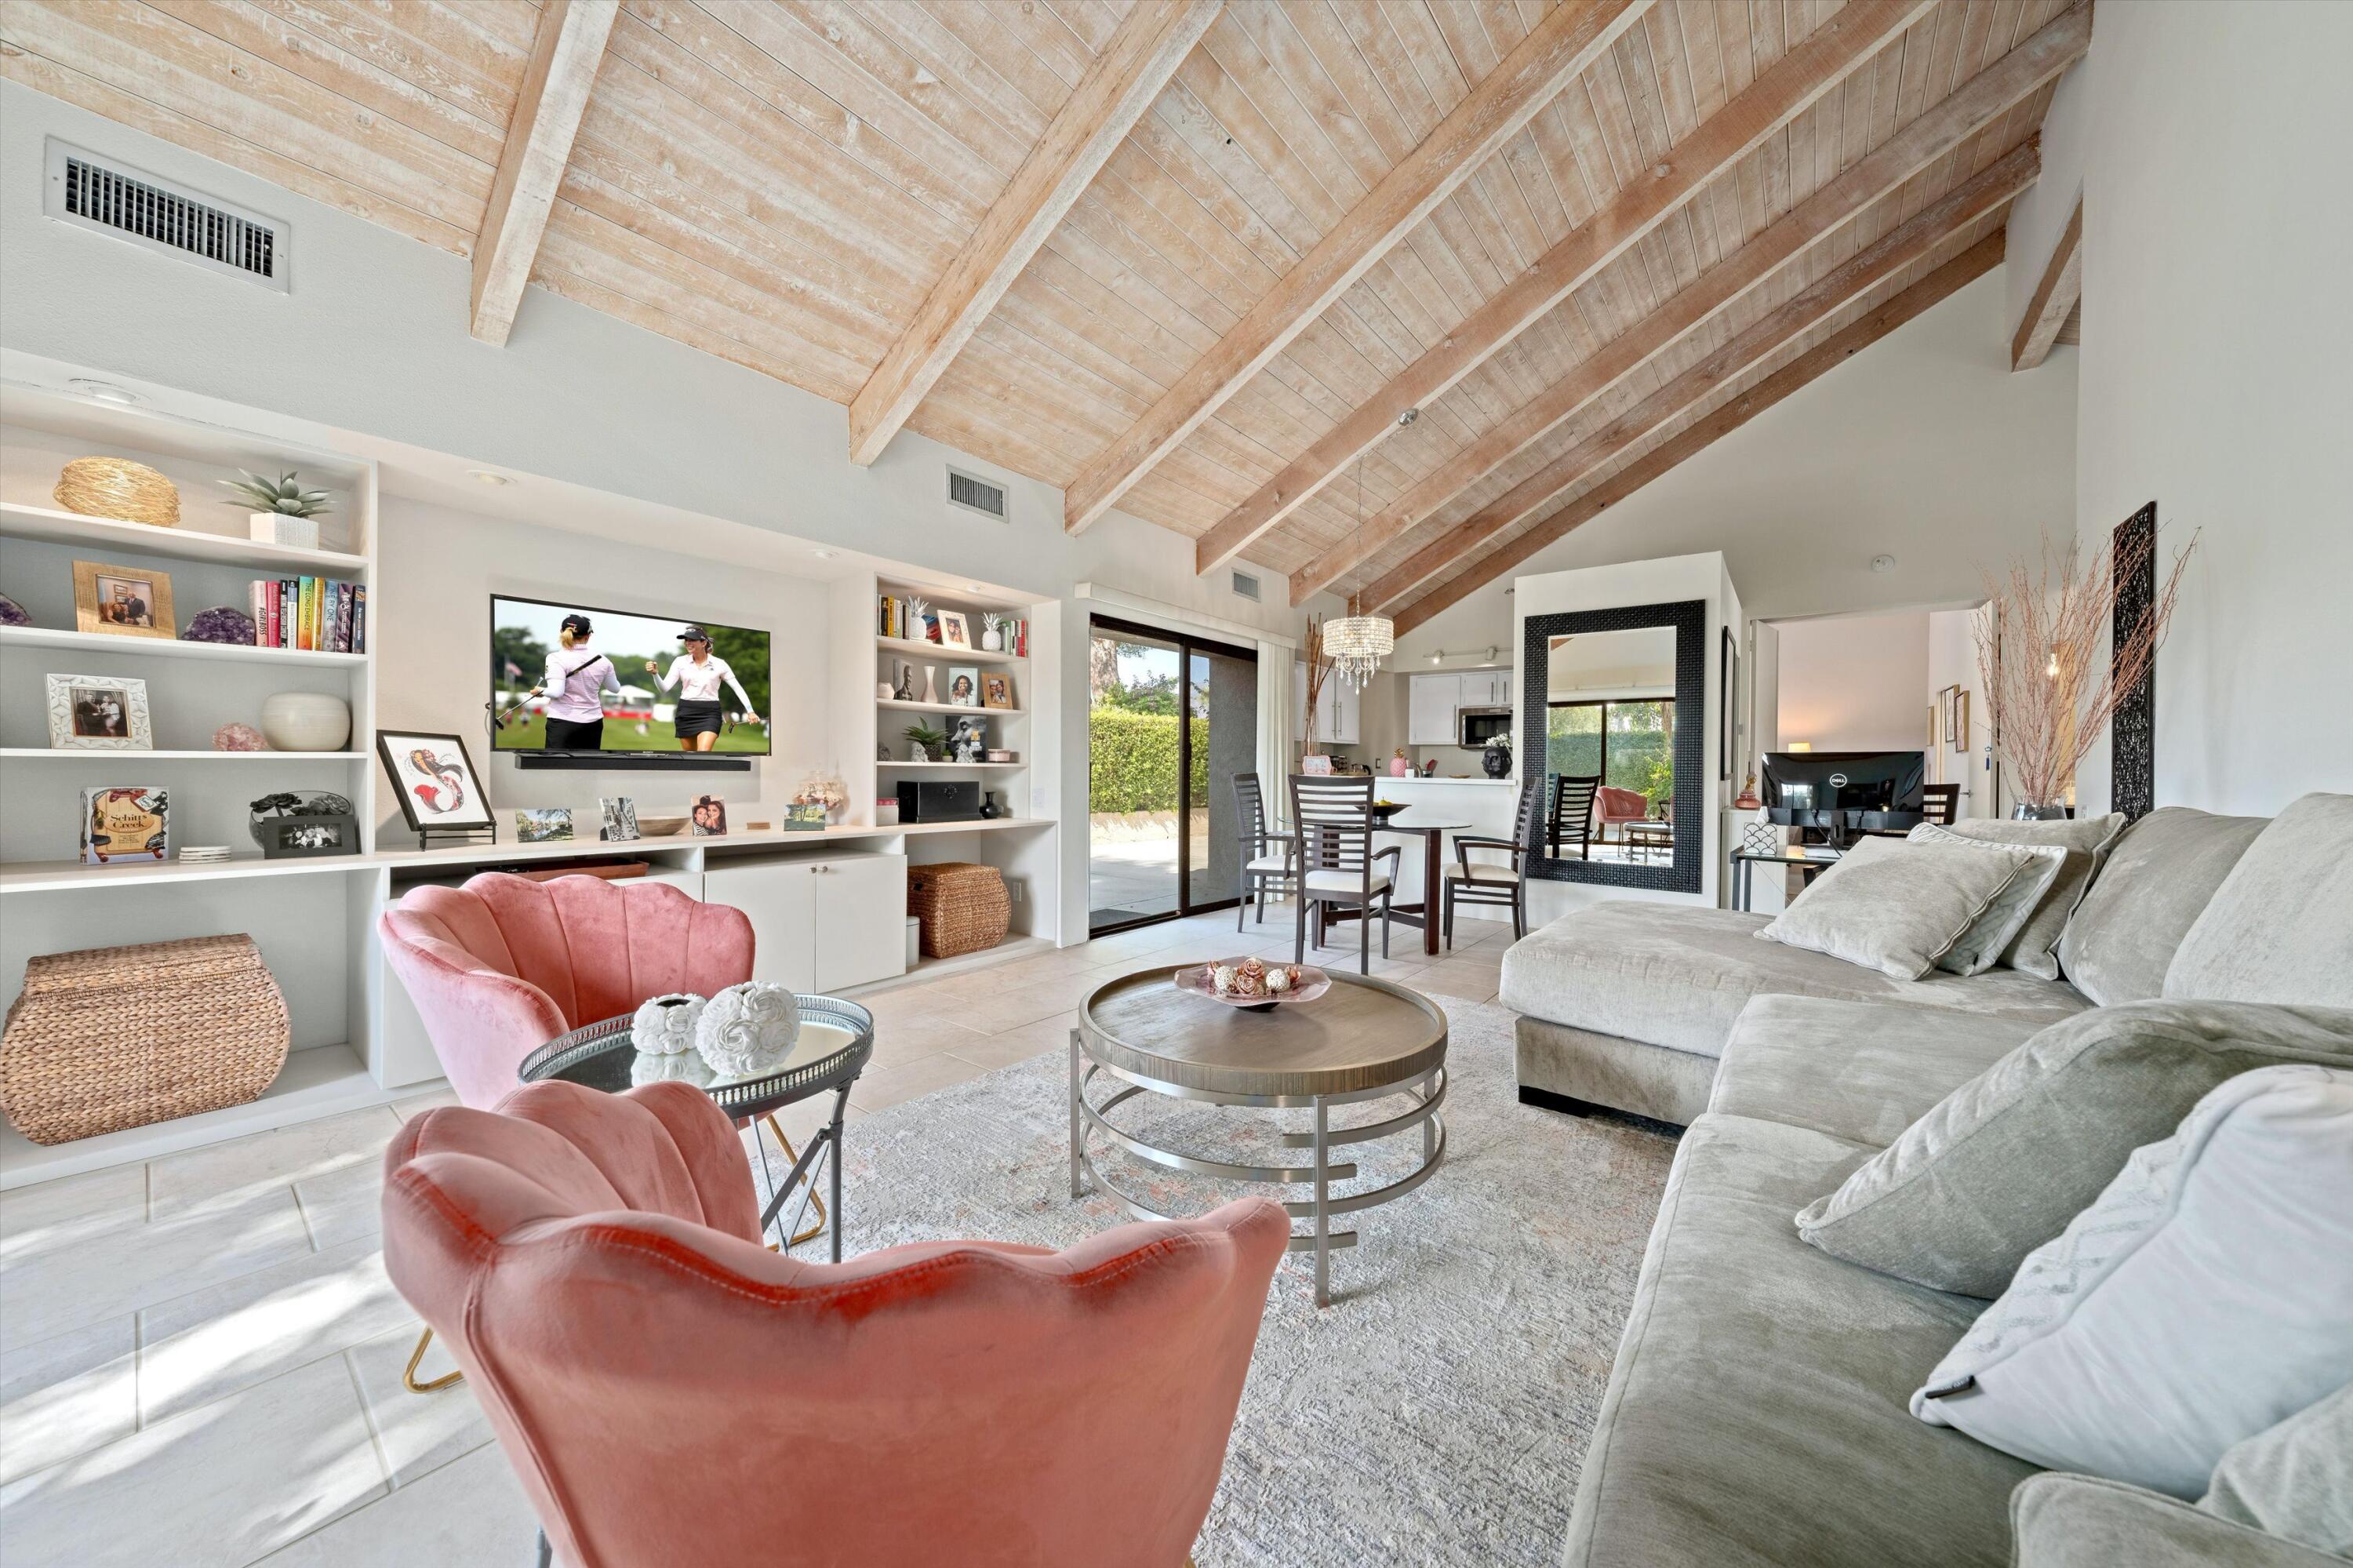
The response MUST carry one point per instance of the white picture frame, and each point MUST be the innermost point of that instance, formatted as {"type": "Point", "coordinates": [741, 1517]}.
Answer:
{"type": "Point", "coordinates": [955, 631]}
{"type": "Point", "coordinates": [99, 713]}
{"type": "Point", "coordinates": [619, 815]}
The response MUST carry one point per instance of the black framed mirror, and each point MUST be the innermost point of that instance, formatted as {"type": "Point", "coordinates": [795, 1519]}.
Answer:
{"type": "Point", "coordinates": [1613, 720]}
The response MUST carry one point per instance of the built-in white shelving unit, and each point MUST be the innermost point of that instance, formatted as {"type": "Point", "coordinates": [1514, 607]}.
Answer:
{"type": "Point", "coordinates": [304, 913]}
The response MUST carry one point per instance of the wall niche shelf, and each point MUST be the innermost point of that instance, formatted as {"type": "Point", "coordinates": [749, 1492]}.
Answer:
{"type": "Point", "coordinates": [949, 708]}
{"type": "Point", "coordinates": [942, 655]}
{"type": "Point", "coordinates": [109, 644]}
{"type": "Point", "coordinates": [44, 754]}
{"type": "Point", "coordinates": [51, 526]}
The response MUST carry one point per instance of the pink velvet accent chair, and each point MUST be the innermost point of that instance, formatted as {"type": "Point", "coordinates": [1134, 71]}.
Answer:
{"type": "Point", "coordinates": [504, 964]}
{"type": "Point", "coordinates": [1616, 807]}
{"type": "Point", "coordinates": [669, 1391]}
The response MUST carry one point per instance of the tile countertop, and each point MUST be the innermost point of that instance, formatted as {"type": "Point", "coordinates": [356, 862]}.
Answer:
{"type": "Point", "coordinates": [1385, 780]}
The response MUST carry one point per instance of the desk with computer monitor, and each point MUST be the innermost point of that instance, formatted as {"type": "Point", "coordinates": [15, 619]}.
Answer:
{"type": "Point", "coordinates": [1831, 796]}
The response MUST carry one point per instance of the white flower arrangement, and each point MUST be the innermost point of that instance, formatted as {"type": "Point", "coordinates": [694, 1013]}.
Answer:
{"type": "Point", "coordinates": [664, 1025]}
{"type": "Point", "coordinates": [748, 1027]}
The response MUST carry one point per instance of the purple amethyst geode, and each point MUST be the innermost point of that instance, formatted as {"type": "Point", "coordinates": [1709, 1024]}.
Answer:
{"type": "Point", "coordinates": [12, 613]}
{"type": "Point", "coordinates": [219, 624]}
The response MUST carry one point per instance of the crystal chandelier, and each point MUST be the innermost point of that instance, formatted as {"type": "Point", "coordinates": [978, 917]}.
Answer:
{"type": "Point", "coordinates": [1358, 643]}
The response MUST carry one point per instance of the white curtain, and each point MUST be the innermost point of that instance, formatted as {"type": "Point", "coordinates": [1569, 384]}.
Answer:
{"type": "Point", "coordinates": [1274, 722]}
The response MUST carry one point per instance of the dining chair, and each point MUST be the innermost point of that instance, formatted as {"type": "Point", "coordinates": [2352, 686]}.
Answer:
{"type": "Point", "coordinates": [1470, 881]}
{"type": "Point", "coordinates": [503, 965]}
{"type": "Point", "coordinates": [668, 1389]}
{"type": "Point", "coordinates": [1940, 803]}
{"type": "Point", "coordinates": [1612, 805]}
{"type": "Point", "coordinates": [1572, 814]}
{"type": "Point", "coordinates": [1333, 816]}
{"type": "Point", "coordinates": [1262, 862]}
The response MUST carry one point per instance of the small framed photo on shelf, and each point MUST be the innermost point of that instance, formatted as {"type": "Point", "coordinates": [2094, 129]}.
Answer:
{"type": "Point", "coordinates": [297, 838]}
{"type": "Point", "coordinates": [805, 817]}
{"type": "Point", "coordinates": [995, 690]}
{"type": "Point", "coordinates": [99, 713]}
{"type": "Point", "coordinates": [125, 824]}
{"type": "Point", "coordinates": [955, 631]}
{"type": "Point", "coordinates": [435, 780]}
{"type": "Point", "coordinates": [709, 817]}
{"type": "Point", "coordinates": [125, 601]}
{"type": "Point", "coordinates": [964, 686]}
{"type": "Point", "coordinates": [543, 824]}
{"type": "Point", "coordinates": [619, 816]}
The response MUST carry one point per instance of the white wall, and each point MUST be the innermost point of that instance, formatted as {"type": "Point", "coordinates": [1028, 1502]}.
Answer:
{"type": "Point", "coordinates": [1856, 683]}
{"type": "Point", "coordinates": [1923, 447]}
{"type": "Point", "coordinates": [2216, 374]}
{"type": "Point", "coordinates": [1665, 581]}
{"type": "Point", "coordinates": [1953, 662]}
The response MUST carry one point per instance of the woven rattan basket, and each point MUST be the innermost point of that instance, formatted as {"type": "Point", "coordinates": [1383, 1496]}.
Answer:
{"type": "Point", "coordinates": [962, 908]}
{"type": "Point", "coordinates": [115, 1037]}
{"type": "Point", "coordinates": [118, 487]}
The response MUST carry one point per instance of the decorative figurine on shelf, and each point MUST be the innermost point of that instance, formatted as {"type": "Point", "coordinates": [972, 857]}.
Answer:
{"type": "Point", "coordinates": [923, 740]}
{"type": "Point", "coordinates": [992, 632]}
{"type": "Point", "coordinates": [665, 1025]}
{"type": "Point", "coordinates": [748, 1027]}
{"type": "Point", "coordinates": [1496, 760]}
{"type": "Point", "coordinates": [905, 691]}
{"type": "Point", "coordinates": [1400, 768]}
{"type": "Point", "coordinates": [1747, 800]}
{"type": "Point", "coordinates": [921, 627]}
{"type": "Point", "coordinates": [234, 736]}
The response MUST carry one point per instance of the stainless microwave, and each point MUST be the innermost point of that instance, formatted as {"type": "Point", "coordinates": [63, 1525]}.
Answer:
{"type": "Point", "coordinates": [1480, 725]}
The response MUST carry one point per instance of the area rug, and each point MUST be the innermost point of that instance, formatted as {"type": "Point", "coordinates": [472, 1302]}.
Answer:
{"type": "Point", "coordinates": [1437, 1411]}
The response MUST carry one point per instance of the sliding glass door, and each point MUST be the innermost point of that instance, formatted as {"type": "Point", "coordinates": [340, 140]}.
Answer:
{"type": "Point", "coordinates": [1630, 744]}
{"type": "Point", "coordinates": [1171, 719]}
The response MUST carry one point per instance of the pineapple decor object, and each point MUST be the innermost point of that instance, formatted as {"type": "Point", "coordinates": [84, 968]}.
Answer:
{"type": "Point", "coordinates": [281, 512]}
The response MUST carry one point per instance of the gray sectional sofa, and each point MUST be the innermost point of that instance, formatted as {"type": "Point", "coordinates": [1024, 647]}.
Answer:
{"type": "Point", "coordinates": [1757, 1413]}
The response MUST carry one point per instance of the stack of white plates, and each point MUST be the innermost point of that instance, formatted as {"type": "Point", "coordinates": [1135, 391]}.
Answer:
{"type": "Point", "coordinates": [204, 854]}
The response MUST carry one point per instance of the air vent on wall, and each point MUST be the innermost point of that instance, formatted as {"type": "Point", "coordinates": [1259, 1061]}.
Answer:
{"type": "Point", "coordinates": [1245, 584]}
{"type": "Point", "coordinates": [133, 204]}
{"type": "Point", "coordinates": [976, 494]}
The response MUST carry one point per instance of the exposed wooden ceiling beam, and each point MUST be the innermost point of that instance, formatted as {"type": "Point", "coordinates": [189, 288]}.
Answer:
{"type": "Point", "coordinates": [1832, 293]}
{"type": "Point", "coordinates": [1119, 87]}
{"type": "Point", "coordinates": [1964, 269]}
{"type": "Point", "coordinates": [1554, 52]}
{"type": "Point", "coordinates": [565, 55]}
{"type": "Point", "coordinates": [2054, 297]}
{"type": "Point", "coordinates": [1935, 133]}
{"type": "Point", "coordinates": [1778, 96]}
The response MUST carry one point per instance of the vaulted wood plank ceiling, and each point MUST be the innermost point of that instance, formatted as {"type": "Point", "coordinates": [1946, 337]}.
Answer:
{"type": "Point", "coordinates": [787, 184]}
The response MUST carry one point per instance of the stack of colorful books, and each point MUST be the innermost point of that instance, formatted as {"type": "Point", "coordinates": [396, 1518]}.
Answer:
{"type": "Point", "coordinates": [315, 614]}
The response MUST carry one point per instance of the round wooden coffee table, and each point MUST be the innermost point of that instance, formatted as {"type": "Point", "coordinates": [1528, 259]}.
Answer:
{"type": "Point", "coordinates": [1363, 1039]}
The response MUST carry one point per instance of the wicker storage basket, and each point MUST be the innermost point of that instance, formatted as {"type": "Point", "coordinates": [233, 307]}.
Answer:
{"type": "Point", "coordinates": [115, 1037]}
{"type": "Point", "coordinates": [118, 487]}
{"type": "Point", "coordinates": [962, 906]}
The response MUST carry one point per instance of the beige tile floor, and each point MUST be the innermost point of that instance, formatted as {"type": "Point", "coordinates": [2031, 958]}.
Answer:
{"type": "Point", "coordinates": [200, 1357]}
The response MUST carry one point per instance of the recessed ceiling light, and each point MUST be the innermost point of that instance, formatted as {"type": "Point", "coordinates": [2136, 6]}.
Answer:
{"type": "Point", "coordinates": [104, 391]}
{"type": "Point", "coordinates": [974, 587]}
{"type": "Point", "coordinates": [1883, 563]}
{"type": "Point", "coordinates": [823, 555]}
{"type": "Point", "coordinates": [484, 476]}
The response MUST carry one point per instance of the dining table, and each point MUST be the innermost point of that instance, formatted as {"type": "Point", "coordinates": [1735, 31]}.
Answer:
{"type": "Point", "coordinates": [1423, 914]}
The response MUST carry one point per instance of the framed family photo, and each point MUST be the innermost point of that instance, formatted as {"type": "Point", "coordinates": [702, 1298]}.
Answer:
{"type": "Point", "coordinates": [955, 631]}
{"type": "Point", "coordinates": [435, 780]}
{"type": "Point", "coordinates": [964, 686]}
{"type": "Point", "coordinates": [709, 817]}
{"type": "Point", "coordinates": [995, 690]}
{"type": "Point", "coordinates": [99, 713]}
{"type": "Point", "coordinates": [125, 601]}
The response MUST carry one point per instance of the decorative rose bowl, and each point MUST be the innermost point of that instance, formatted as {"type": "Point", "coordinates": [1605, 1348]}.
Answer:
{"type": "Point", "coordinates": [686, 1069]}
{"type": "Point", "coordinates": [1253, 984]}
{"type": "Point", "coordinates": [665, 1025]}
{"type": "Point", "coordinates": [748, 1027]}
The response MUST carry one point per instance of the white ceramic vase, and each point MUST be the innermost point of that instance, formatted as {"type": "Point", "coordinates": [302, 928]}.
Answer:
{"type": "Point", "coordinates": [748, 1027]}
{"type": "Point", "coordinates": [664, 1025]}
{"type": "Point", "coordinates": [305, 721]}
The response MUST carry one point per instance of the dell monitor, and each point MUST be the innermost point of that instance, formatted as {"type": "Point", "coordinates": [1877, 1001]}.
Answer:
{"type": "Point", "coordinates": [1841, 791]}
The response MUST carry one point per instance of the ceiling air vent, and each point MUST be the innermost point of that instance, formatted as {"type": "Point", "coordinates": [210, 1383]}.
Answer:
{"type": "Point", "coordinates": [133, 204]}
{"type": "Point", "coordinates": [1245, 584]}
{"type": "Point", "coordinates": [976, 494]}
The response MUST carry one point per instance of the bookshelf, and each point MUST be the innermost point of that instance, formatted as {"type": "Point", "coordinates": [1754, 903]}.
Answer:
{"type": "Point", "coordinates": [52, 903]}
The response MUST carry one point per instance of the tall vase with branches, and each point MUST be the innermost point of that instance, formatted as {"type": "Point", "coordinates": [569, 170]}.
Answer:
{"type": "Point", "coordinates": [2055, 666]}
{"type": "Point", "coordinates": [1319, 670]}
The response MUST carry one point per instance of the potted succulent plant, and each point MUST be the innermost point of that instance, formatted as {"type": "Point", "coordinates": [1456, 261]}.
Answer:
{"type": "Point", "coordinates": [280, 511]}
{"type": "Point", "coordinates": [924, 741]}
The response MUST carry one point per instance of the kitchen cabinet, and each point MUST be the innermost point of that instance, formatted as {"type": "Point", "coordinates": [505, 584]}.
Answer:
{"type": "Point", "coordinates": [1431, 702]}
{"type": "Point", "coordinates": [1487, 688]}
{"type": "Point", "coordinates": [1337, 711]}
{"type": "Point", "coordinates": [820, 925]}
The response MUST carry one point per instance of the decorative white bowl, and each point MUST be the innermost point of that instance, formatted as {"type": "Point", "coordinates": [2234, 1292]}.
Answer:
{"type": "Point", "coordinates": [749, 1027]}
{"type": "Point", "coordinates": [306, 721]}
{"type": "Point", "coordinates": [664, 1025]}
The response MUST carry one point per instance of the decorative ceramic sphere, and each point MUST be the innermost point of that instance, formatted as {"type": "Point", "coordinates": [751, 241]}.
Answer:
{"type": "Point", "coordinates": [237, 737]}
{"type": "Point", "coordinates": [222, 623]}
{"type": "Point", "coordinates": [748, 1027]}
{"type": "Point", "coordinates": [1222, 977]}
{"type": "Point", "coordinates": [664, 1025]}
{"type": "Point", "coordinates": [686, 1069]}
{"type": "Point", "coordinates": [306, 721]}
{"type": "Point", "coordinates": [1278, 980]}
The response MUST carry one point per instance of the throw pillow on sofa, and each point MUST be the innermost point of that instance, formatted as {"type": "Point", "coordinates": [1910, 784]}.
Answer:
{"type": "Point", "coordinates": [2084, 842]}
{"type": "Point", "coordinates": [1998, 1167]}
{"type": "Point", "coordinates": [2279, 928]}
{"type": "Point", "coordinates": [1894, 905]}
{"type": "Point", "coordinates": [2296, 1479]}
{"type": "Point", "coordinates": [1995, 930]}
{"type": "Point", "coordinates": [2160, 873]}
{"type": "Point", "coordinates": [2200, 1301]}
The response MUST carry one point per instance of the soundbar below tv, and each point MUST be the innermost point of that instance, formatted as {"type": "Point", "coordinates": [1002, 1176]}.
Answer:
{"type": "Point", "coordinates": [578, 687]}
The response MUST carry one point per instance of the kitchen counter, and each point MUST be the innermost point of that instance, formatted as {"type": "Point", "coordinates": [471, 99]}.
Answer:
{"type": "Point", "coordinates": [1483, 805]}
{"type": "Point", "coordinates": [1385, 780]}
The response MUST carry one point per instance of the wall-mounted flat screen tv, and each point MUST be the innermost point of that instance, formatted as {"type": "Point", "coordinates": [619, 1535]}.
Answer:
{"type": "Point", "coordinates": [567, 679]}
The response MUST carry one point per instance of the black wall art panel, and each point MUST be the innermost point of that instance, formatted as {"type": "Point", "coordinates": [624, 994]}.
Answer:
{"type": "Point", "coordinates": [2132, 729]}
